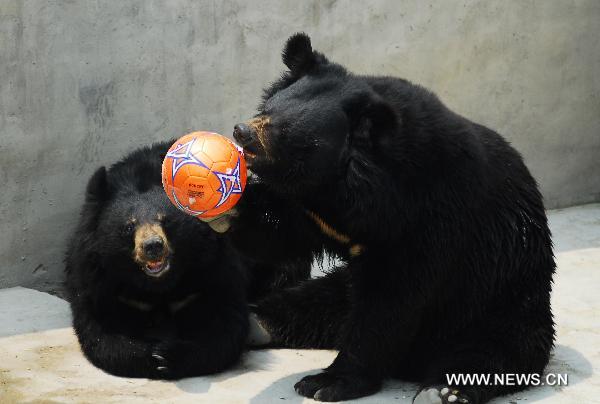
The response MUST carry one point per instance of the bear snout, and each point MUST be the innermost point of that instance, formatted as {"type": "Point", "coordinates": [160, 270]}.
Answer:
{"type": "Point", "coordinates": [153, 248]}
{"type": "Point", "coordinates": [252, 136]}
{"type": "Point", "coordinates": [151, 244]}
{"type": "Point", "coordinates": [242, 134]}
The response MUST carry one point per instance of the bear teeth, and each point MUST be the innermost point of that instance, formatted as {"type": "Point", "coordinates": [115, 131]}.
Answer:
{"type": "Point", "coordinates": [154, 266]}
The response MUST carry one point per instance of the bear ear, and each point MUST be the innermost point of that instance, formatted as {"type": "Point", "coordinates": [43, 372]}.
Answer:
{"type": "Point", "coordinates": [97, 187]}
{"type": "Point", "coordinates": [298, 54]}
{"type": "Point", "coordinates": [371, 118]}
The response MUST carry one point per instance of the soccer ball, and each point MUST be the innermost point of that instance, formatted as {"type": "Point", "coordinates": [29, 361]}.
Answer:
{"type": "Point", "coordinates": [204, 174]}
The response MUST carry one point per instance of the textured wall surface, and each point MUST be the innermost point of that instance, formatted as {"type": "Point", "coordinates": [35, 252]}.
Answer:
{"type": "Point", "coordinates": [83, 82]}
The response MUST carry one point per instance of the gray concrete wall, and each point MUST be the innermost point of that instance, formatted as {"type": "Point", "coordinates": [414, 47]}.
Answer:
{"type": "Point", "coordinates": [83, 82]}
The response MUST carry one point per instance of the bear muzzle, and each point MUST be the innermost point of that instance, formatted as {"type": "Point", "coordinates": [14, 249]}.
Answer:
{"type": "Point", "coordinates": [152, 250]}
{"type": "Point", "coordinates": [252, 136]}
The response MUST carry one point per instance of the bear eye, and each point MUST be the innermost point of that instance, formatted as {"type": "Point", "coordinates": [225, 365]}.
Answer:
{"type": "Point", "coordinates": [128, 228]}
{"type": "Point", "coordinates": [284, 131]}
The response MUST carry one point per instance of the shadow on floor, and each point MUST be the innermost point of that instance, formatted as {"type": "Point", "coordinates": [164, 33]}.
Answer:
{"type": "Point", "coordinates": [282, 389]}
{"type": "Point", "coordinates": [39, 312]}
{"type": "Point", "coordinates": [259, 360]}
{"type": "Point", "coordinates": [564, 360]}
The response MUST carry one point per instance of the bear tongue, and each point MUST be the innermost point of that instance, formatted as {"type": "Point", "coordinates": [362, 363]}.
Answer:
{"type": "Point", "coordinates": [154, 265]}
{"type": "Point", "coordinates": [248, 153]}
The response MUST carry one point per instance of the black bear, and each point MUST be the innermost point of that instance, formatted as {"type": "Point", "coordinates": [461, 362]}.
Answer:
{"type": "Point", "coordinates": [154, 292]}
{"type": "Point", "coordinates": [447, 256]}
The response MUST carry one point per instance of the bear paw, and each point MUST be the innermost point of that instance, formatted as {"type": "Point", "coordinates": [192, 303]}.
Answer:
{"type": "Point", "coordinates": [440, 395]}
{"type": "Point", "coordinates": [161, 363]}
{"type": "Point", "coordinates": [328, 386]}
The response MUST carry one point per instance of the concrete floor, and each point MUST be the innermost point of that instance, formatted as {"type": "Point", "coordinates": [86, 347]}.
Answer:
{"type": "Point", "coordinates": [40, 360]}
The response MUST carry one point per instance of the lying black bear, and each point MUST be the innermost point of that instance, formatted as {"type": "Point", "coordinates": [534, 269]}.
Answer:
{"type": "Point", "coordinates": [154, 292]}
{"type": "Point", "coordinates": [448, 257]}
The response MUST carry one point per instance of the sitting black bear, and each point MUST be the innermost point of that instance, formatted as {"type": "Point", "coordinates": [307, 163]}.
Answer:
{"type": "Point", "coordinates": [154, 292]}
{"type": "Point", "coordinates": [447, 255]}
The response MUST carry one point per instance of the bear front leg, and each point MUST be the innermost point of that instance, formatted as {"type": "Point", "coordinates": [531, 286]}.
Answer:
{"type": "Point", "coordinates": [210, 337]}
{"type": "Point", "coordinates": [375, 339]}
{"type": "Point", "coordinates": [384, 316]}
{"type": "Point", "coordinates": [113, 350]}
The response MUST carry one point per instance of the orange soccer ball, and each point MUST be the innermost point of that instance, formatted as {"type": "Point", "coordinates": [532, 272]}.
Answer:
{"type": "Point", "coordinates": [204, 174]}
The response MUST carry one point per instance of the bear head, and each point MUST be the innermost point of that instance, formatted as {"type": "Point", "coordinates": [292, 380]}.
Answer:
{"type": "Point", "coordinates": [316, 125]}
{"type": "Point", "coordinates": [137, 235]}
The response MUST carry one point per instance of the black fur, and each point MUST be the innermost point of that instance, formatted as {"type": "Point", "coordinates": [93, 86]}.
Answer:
{"type": "Point", "coordinates": [452, 259]}
{"type": "Point", "coordinates": [190, 321]}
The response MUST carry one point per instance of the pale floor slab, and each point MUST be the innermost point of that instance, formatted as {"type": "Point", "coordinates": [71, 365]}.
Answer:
{"type": "Point", "coordinates": [40, 360]}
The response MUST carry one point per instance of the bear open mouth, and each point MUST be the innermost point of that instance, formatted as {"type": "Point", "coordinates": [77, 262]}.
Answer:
{"type": "Point", "coordinates": [254, 151]}
{"type": "Point", "coordinates": [156, 268]}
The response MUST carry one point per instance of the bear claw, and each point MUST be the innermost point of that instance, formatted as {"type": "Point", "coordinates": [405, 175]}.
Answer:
{"type": "Point", "coordinates": [158, 357]}
{"type": "Point", "coordinates": [444, 395]}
